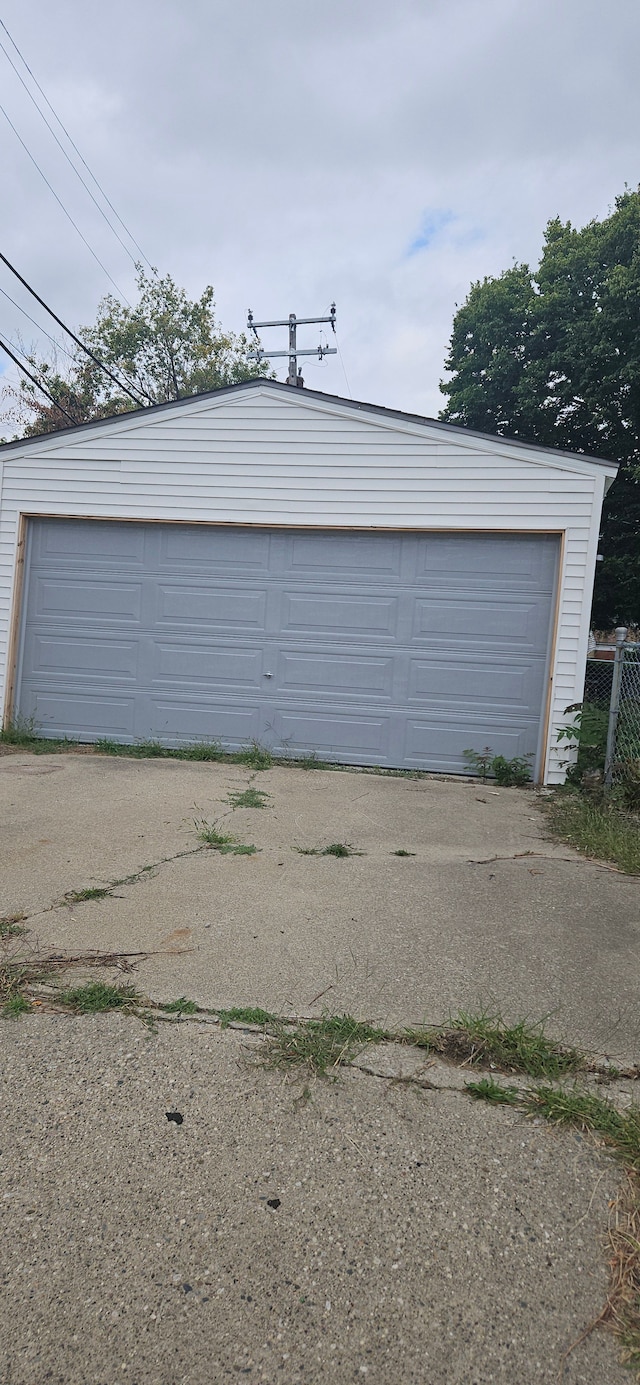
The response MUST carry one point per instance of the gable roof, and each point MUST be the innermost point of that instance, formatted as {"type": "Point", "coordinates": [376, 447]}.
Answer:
{"type": "Point", "coordinates": [357, 405]}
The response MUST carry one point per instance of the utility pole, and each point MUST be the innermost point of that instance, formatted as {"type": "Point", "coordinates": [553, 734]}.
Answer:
{"type": "Point", "coordinates": [292, 322]}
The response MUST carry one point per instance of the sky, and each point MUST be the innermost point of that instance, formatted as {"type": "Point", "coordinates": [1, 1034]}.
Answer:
{"type": "Point", "coordinates": [384, 154]}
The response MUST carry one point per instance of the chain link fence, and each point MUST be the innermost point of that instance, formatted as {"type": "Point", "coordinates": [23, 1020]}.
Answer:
{"type": "Point", "coordinates": [606, 731]}
{"type": "Point", "coordinates": [623, 760]}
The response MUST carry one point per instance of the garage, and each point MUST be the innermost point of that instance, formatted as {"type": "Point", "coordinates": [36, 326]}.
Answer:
{"type": "Point", "coordinates": [390, 649]}
{"type": "Point", "coordinates": [321, 576]}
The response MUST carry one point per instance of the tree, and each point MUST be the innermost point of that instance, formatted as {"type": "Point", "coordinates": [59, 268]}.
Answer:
{"type": "Point", "coordinates": [553, 356]}
{"type": "Point", "coordinates": [165, 347]}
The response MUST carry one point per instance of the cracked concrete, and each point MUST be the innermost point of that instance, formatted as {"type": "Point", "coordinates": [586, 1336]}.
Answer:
{"type": "Point", "coordinates": [382, 1226]}
{"type": "Point", "coordinates": [308, 1232]}
{"type": "Point", "coordinates": [487, 914]}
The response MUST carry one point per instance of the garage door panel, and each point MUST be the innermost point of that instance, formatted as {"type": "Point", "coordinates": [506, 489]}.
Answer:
{"type": "Point", "coordinates": [338, 735]}
{"type": "Point", "coordinates": [215, 667]}
{"type": "Point", "coordinates": [438, 743]}
{"type": "Point", "coordinates": [357, 617]}
{"type": "Point", "coordinates": [60, 713]}
{"type": "Point", "coordinates": [499, 687]}
{"type": "Point", "coordinates": [81, 599]}
{"type": "Point", "coordinates": [78, 543]}
{"type": "Point", "coordinates": [180, 719]}
{"type": "Point", "coordinates": [475, 623]}
{"type": "Point", "coordinates": [209, 548]}
{"type": "Point", "coordinates": [216, 607]}
{"type": "Point", "coordinates": [86, 657]}
{"type": "Point", "coordinates": [343, 557]}
{"type": "Point", "coordinates": [505, 562]}
{"type": "Point", "coordinates": [325, 676]}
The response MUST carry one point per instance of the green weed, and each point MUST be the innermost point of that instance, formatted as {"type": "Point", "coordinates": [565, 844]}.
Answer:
{"type": "Point", "coordinates": [15, 1006]}
{"type": "Point", "coordinates": [92, 892]}
{"type": "Point", "coordinates": [20, 731]}
{"type": "Point", "coordinates": [508, 773]}
{"type": "Point", "coordinates": [598, 830]}
{"type": "Point", "coordinates": [402, 852]}
{"type": "Point", "coordinates": [181, 1006]}
{"type": "Point", "coordinates": [249, 798]}
{"type": "Point", "coordinates": [339, 849]}
{"type": "Point", "coordinates": [485, 1040]}
{"type": "Point", "coordinates": [319, 1045]}
{"type": "Point", "coordinates": [208, 833]}
{"type": "Point", "coordinates": [96, 997]}
{"type": "Point", "coordinates": [10, 926]}
{"type": "Point", "coordinates": [487, 1089]}
{"type": "Point", "coordinates": [254, 755]}
{"type": "Point", "coordinates": [245, 1014]}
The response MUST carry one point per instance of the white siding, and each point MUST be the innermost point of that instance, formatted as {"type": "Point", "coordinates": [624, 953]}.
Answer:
{"type": "Point", "coordinates": [260, 456]}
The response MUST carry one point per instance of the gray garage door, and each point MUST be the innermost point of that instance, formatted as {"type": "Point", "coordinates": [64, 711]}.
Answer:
{"type": "Point", "coordinates": [390, 649]}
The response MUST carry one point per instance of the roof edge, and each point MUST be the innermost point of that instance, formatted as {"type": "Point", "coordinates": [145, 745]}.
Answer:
{"type": "Point", "coordinates": [356, 404]}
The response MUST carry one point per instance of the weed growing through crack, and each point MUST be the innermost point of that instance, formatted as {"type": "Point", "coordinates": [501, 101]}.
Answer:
{"type": "Point", "coordinates": [227, 845]}
{"type": "Point", "coordinates": [10, 926]}
{"type": "Point", "coordinates": [254, 755]}
{"type": "Point", "coordinates": [248, 798]}
{"type": "Point", "coordinates": [96, 997]}
{"type": "Point", "coordinates": [15, 1006]}
{"type": "Point", "coordinates": [402, 852]}
{"type": "Point", "coordinates": [485, 1040]}
{"type": "Point", "coordinates": [339, 849]}
{"type": "Point", "coordinates": [245, 1014]}
{"type": "Point", "coordinates": [181, 1006]}
{"type": "Point", "coordinates": [318, 1045]}
{"type": "Point", "coordinates": [92, 892]}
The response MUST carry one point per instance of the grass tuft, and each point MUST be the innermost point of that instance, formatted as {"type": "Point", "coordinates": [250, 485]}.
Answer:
{"type": "Point", "coordinates": [599, 830]}
{"type": "Point", "coordinates": [485, 1040]}
{"type": "Point", "coordinates": [249, 798]}
{"type": "Point", "coordinates": [487, 1089]}
{"type": "Point", "coordinates": [245, 1014]}
{"type": "Point", "coordinates": [402, 852]}
{"type": "Point", "coordinates": [92, 892]}
{"type": "Point", "coordinates": [10, 926]}
{"type": "Point", "coordinates": [15, 1006]}
{"type": "Point", "coordinates": [208, 833]}
{"type": "Point", "coordinates": [181, 1006]}
{"type": "Point", "coordinates": [96, 997]}
{"type": "Point", "coordinates": [319, 1045]}
{"type": "Point", "coordinates": [339, 849]}
{"type": "Point", "coordinates": [254, 755]}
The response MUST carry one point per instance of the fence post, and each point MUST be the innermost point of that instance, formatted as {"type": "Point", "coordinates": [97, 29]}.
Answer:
{"type": "Point", "coordinates": [614, 705]}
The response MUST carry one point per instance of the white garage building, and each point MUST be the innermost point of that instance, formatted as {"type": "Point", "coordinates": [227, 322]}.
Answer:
{"type": "Point", "coordinates": [276, 564]}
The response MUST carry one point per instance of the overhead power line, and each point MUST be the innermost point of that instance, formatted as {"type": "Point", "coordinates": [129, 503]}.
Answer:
{"type": "Point", "coordinates": [87, 350]}
{"type": "Point", "coordinates": [64, 209]}
{"type": "Point", "coordinates": [35, 381]}
{"type": "Point", "coordinates": [74, 147]}
{"type": "Point", "coordinates": [36, 324]}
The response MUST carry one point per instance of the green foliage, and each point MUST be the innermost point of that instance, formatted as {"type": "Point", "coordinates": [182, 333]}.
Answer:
{"type": "Point", "coordinates": [181, 1006]}
{"type": "Point", "coordinates": [485, 1040]}
{"type": "Point", "coordinates": [245, 1014]}
{"type": "Point", "coordinates": [97, 996]}
{"type": "Point", "coordinates": [10, 926]}
{"type": "Point", "coordinates": [226, 845]}
{"type": "Point", "coordinates": [254, 755]}
{"type": "Point", "coordinates": [627, 791]}
{"type": "Point", "coordinates": [319, 1044]}
{"type": "Point", "coordinates": [339, 849]}
{"type": "Point", "coordinates": [249, 798]}
{"type": "Point", "coordinates": [600, 830]}
{"type": "Point", "coordinates": [508, 773]}
{"type": "Point", "coordinates": [588, 733]}
{"type": "Point", "coordinates": [167, 346]}
{"type": "Point", "coordinates": [402, 852]}
{"type": "Point", "coordinates": [15, 1006]}
{"type": "Point", "coordinates": [553, 356]}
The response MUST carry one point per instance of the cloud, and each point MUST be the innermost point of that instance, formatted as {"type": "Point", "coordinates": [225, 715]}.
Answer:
{"type": "Point", "coordinates": [282, 151]}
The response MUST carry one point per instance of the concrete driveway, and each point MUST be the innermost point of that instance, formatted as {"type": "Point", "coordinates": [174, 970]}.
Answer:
{"type": "Point", "coordinates": [290, 1230]}
{"type": "Point", "coordinates": [485, 914]}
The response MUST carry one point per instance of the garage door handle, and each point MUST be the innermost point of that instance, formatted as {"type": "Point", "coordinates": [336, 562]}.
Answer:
{"type": "Point", "coordinates": [268, 675]}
